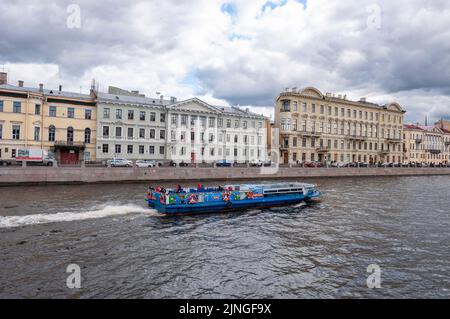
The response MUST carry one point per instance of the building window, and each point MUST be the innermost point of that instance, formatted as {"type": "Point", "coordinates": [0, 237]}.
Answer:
{"type": "Point", "coordinates": [236, 123]}
{"type": "Point", "coordinates": [37, 109]}
{"type": "Point", "coordinates": [152, 133]}
{"type": "Point", "coordinates": [141, 149]}
{"type": "Point", "coordinates": [1, 131]}
{"type": "Point", "coordinates": [118, 114]}
{"type": "Point", "coordinates": [130, 114]}
{"type": "Point", "coordinates": [212, 122]}
{"type": "Point", "coordinates": [174, 119]}
{"type": "Point", "coordinates": [37, 133]}
{"type": "Point", "coordinates": [13, 153]}
{"type": "Point", "coordinates": [118, 148]}
{"type": "Point", "coordinates": [51, 133]}
{"type": "Point", "coordinates": [130, 133]}
{"type": "Point", "coordinates": [162, 134]}
{"type": "Point", "coordinates": [151, 149]}
{"type": "Point", "coordinates": [184, 119]}
{"type": "Point", "coordinates": [220, 122]}
{"type": "Point", "coordinates": [142, 116]}
{"type": "Point", "coordinates": [106, 131]}
{"type": "Point", "coordinates": [228, 123]}
{"type": "Point", "coordinates": [71, 112]}
{"type": "Point", "coordinates": [152, 116]}
{"type": "Point", "coordinates": [1, 106]}
{"type": "Point", "coordinates": [17, 107]}
{"type": "Point", "coordinates": [52, 111]}
{"type": "Point", "coordinates": [118, 132]}
{"type": "Point", "coordinates": [106, 113]}
{"type": "Point", "coordinates": [162, 150]}
{"type": "Point", "coordinates": [87, 136]}
{"type": "Point", "coordinates": [162, 118]}
{"type": "Point", "coordinates": [87, 114]}
{"type": "Point", "coordinates": [130, 149]}
{"type": "Point", "coordinates": [16, 132]}
{"type": "Point", "coordinates": [70, 135]}
{"type": "Point", "coordinates": [142, 133]}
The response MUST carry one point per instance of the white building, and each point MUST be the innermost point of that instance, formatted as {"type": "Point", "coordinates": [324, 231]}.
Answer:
{"type": "Point", "coordinates": [131, 126]}
{"type": "Point", "coordinates": [199, 132]}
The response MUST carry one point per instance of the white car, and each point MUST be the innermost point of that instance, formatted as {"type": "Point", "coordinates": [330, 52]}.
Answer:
{"type": "Point", "coordinates": [120, 162]}
{"type": "Point", "coordinates": [145, 163]}
{"type": "Point", "coordinates": [257, 163]}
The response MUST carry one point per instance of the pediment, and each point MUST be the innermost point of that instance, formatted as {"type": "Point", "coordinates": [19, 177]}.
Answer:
{"type": "Point", "coordinates": [313, 92]}
{"type": "Point", "coordinates": [194, 105]}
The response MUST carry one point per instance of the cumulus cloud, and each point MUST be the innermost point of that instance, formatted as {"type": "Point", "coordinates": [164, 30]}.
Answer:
{"type": "Point", "coordinates": [238, 51]}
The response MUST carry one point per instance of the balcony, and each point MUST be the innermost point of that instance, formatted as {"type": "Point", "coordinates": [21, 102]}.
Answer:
{"type": "Point", "coordinates": [355, 137]}
{"type": "Point", "coordinates": [385, 152]}
{"type": "Point", "coordinates": [323, 149]}
{"type": "Point", "coordinates": [310, 134]}
{"type": "Point", "coordinates": [394, 140]}
{"type": "Point", "coordinates": [69, 145]}
{"type": "Point", "coordinates": [285, 110]}
{"type": "Point", "coordinates": [433, 151]}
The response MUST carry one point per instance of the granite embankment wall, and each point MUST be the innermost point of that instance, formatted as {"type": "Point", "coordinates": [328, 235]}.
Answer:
{"type": "Point", "coordinates": [77, 175]}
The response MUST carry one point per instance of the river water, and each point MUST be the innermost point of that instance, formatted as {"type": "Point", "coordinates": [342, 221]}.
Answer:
{"type": "Point", "coordinates": [124, 249]}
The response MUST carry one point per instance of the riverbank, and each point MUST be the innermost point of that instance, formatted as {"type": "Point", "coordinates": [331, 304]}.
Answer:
{"type": "Point", "coordinates": [77, 175]}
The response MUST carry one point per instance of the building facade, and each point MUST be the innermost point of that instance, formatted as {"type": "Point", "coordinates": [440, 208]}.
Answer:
{"type": "Point", "coordinates": [328, 128]}
{"type": "Point", "coordinates": [131, 126]}
{"type": "Point", "coordinates": [426, 144]}
{"type": "Point", "coordinates": [199, 132]}
{"type": "Point", "coordinates": [54, 120]}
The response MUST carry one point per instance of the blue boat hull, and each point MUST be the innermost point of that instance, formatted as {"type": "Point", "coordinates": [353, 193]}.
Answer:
{"type": "Point", "coordinates": [280, 200]}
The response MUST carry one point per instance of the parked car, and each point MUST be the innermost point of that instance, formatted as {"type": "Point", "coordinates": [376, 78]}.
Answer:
{"type": "Point", "coordinates": [269, 163]}
{"type": "Point", "coordinates": [145, 163]}
{"type": "Point", "coordinates": [256, 163]}
{"type": "Point", "coordinates": [223, 163]}
{"type": "Point", "coordinates": [120, 162]}
{"type": "Point", "coordinates": [363, 164]}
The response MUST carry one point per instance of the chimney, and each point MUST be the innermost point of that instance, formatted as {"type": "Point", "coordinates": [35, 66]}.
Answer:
{"type": "Point", "coordinates": [60, 88]}
{"type": "Point", "coordinates": [161, 98]}
{"type": "Point", "coordinates": [41, 87]}
{"type": "Point", "coordinates": [3, 78]}
{"type": "Point", "coordinates": [20, 83]}
{"type": "Point", "coordinates": [363, 99]}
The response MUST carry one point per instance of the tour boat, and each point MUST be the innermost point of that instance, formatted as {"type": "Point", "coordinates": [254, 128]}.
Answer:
{"type": "Point", "coordinates": [229, 197]}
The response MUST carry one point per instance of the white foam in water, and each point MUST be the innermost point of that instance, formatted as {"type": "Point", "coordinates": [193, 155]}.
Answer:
{"type": "Point", "coordinates": [107, 211]}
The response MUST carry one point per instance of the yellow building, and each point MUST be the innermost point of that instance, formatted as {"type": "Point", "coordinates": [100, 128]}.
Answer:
{"type": "Point", "coordinates": [53, 120]}
{"type": "Point", "coordinates": [426, 144]}
{"type": "Point", "coordinates": [329, 128]}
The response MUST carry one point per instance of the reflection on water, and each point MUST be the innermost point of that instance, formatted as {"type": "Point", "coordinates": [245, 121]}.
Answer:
{"type": "Point", "coordinates": [126, 250]}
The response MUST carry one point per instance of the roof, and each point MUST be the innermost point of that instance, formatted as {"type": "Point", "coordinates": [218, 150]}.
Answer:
{"type": "Point", "coordinates": [114, 98]}
{"type": "Point", "coordinates": [412, 127]}
{"type": "Point", "coordinates": [55, 93]}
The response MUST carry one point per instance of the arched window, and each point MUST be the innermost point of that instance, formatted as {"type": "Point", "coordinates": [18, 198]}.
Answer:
{"type": "Point", "coordinates": [51, 133]}
{"type": "Point", "coordinates": [87, 136]}
{"type": "Point", "coordinates": [70, 135]}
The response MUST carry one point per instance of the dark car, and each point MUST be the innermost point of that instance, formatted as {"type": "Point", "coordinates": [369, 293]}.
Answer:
{"type": "Point", "coordinates": [223, 163]}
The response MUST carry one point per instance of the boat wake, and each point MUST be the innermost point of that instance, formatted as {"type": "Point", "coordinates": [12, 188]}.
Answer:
{"type": "Point", "coordinates": [97, 212]}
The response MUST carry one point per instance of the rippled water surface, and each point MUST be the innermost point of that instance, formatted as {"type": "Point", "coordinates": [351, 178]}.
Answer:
{"type": "Point", "coordinates": [126, 250]}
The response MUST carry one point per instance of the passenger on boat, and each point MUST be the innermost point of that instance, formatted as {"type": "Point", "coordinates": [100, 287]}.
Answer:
{"type": "Point", "coordinates": [200, 187]}
{"type": "Point", "coordinates": [178, 189]}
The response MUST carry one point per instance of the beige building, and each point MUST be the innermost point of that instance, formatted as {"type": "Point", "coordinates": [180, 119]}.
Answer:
{"type": "Point", "coordinates": [426, 144]}
{"type": "Point", "coordinates": [53, 120]}
{"type": "Point", "coordinates": [329, 128]}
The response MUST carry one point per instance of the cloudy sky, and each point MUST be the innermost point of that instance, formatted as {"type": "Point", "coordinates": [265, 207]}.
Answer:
{"type": "Point", "coordinates": [238, 52]}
